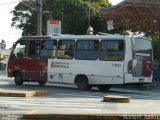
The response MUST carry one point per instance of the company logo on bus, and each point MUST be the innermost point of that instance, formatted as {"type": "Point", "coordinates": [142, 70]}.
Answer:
{"type": "Point", "coordinates": [59, 64]}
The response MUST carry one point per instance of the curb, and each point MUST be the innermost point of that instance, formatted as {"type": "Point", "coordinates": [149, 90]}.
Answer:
{"type": "Point", "coordinates": [117, 99]}
{"type": "Point", "coordinates": [69, 117]}
{"type": "Point", "coordinates": [22, 94]}
{"type": "Point", "coordinates": [89, 117]}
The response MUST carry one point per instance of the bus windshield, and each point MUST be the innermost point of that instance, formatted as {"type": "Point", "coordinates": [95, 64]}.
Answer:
{"type": "Point", "coordinates": [143, 46]}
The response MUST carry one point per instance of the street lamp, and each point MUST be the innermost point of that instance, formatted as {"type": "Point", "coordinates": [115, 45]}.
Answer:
{"type": "Point", "coordinates": [39, 5]}
{"type": "Point", "coordinates": [62, 22]}
{"type": "Point", "coordinates": [48, 12]}
{"type": "Point", "coordinates": [89, 13]}
{"type": "Point", "coordinates": [90, 29]}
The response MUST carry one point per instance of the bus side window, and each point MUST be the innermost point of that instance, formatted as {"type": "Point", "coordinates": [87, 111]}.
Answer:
{"type": "Point", "coordinates": [48, 48]}
{"type": "Point", "coordinates": [66, 49]}
{"type": "Point", "coordinates": [112, 50]}
{"type": "Point", "coordinates": [34, 48]}
{"type": "Point", "coordinates": [87, 49]}
{"type": "Point", "coordinates": [19, 51]}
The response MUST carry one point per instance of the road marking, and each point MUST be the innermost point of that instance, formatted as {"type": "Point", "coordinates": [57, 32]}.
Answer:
{"type": "Point", "coordinates": [32, 112]}
{"type": "Point", "coordinates": [117, 99]}
{"type": "Point", "coordinates": [18, 93]}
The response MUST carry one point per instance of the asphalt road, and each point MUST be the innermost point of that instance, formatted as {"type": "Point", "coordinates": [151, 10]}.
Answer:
{"type": "Point", "coordinates": [67, 99]}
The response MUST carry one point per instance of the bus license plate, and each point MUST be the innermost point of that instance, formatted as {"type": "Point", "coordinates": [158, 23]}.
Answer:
{"type": "Point", "coordinates": [141, 79]}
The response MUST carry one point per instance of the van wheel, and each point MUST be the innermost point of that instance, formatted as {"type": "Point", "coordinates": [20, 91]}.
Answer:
{"type": "Point", "coordinates": [18, 79]}
{"type": "Point", "coordinates": [104, 87]}
{"type": "Point", "coordinates": [42, 83]}
{"type": "Point", "coordinates": [82, 83]}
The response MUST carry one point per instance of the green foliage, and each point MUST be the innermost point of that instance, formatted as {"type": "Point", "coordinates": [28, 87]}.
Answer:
{"type": "Point", "coordinates": [155, 36]}
{"type": "Point", "coordinates": [73, 13]}
{"type": "Point", "coordinates": [22, 15]}
{"type": "Point", "coordinates": [155, 44]}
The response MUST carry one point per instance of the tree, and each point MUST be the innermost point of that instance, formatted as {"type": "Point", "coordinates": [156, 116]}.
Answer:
{"type": "Point", "coordinates": [73, 12]}
{"type": "Point", "coordinates": [155, 37]}
{"type": "Point", "coordinates": [24, 17]}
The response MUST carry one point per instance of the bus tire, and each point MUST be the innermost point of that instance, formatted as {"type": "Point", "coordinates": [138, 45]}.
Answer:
{"type": "Point", "coordinates": [104, 87]}
{"type": "Point", "coordinates": [42, 83]}
{"type": "Point", "coordinates": [18, 79]}
{"type": "Point", "coordinates": [82, 83]}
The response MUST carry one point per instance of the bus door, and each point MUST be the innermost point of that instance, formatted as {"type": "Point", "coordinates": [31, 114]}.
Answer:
{"type": "Point", "coordinates": [59, 68]}
{"type": "Point", "coordinates": [37, 67]}
{"type": "Point", "coordinates": [17, 60]}
{"type": "Point", "coordinates": [113, 52]}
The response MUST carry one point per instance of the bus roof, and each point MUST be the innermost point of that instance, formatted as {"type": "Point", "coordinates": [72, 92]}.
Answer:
{"type": "Point", "coordinates": [88, 37]}
{"type": "Point", "coordinates": [92, 37]}
{"type": "Point", "coordinates": [34, 37]}
{"type": "Point", "coordinates": [75, 37]}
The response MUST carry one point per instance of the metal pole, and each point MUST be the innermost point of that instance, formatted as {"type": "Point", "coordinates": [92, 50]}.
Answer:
{"type": "Point", "coordinates": [89, 14]}
{"type": "Point", "coordinates": [50, 15]}
{"type": "Point", "coordinates": [39, 17]}
{"type": "Point", "coordinates": [62, 24]}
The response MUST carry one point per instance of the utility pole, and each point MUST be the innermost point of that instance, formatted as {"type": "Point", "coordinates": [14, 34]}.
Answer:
{"type": "Point", "coordinates": [62, 23]}
{"type": "Point", "coordinates": [39, 16]}
{"type": "Point", "coordinates": [89, 13]}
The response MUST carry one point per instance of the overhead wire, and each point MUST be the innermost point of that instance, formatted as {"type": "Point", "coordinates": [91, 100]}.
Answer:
{"type": "Point", "coordinates": [7, 3]}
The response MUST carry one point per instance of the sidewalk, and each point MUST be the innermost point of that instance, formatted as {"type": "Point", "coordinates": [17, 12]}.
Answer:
{"type": "Point", "coordinates": [2, 72]}
{"type": "Point", "coordinates": [3, 75]}
{"type": "Point", "coordinates": [154, 85]}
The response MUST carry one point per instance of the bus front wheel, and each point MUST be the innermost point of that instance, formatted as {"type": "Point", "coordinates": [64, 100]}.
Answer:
{"type": "Point", "coordinates": [104, 87]}
{"type": "Point", "coordinates": [82, 83]}
{"type": "Point", "coordinates": [18, 79]}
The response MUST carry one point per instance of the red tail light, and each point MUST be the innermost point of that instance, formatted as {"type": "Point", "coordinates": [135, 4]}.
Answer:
{"type": "Point", "coordinates": [130, 66]}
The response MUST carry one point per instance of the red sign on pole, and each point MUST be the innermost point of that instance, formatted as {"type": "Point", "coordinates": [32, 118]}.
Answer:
{"type": "Point", "coordinates": [54, 21]}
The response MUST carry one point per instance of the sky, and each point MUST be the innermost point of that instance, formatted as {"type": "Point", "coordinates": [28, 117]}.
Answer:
{"type": "Point", "coordinates": [8, 33]}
